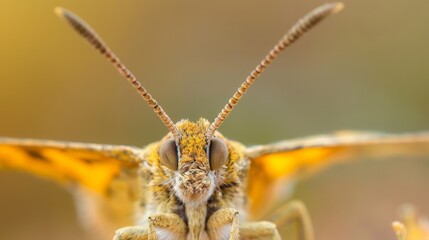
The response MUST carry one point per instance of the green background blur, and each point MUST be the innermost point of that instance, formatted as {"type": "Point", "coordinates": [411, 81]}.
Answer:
{"type": "Point", "coordinates": [365, 68]}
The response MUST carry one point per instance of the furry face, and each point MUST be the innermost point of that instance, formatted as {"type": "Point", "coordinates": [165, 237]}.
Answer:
{"type": "Point", "coordinates": [194, 180]}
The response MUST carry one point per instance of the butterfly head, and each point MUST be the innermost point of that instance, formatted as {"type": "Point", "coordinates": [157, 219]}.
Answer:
{"type": "Point", "coordinates": [194, 160]}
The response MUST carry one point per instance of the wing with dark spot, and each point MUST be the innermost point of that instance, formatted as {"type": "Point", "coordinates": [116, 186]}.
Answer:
{"type": "Point", "coordinates": [279, 163]}
{"type": "Point", "coordinates": [102, 177]}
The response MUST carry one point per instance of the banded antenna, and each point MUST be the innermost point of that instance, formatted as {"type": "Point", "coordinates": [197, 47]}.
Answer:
{"type": "Point", "coordinates": [303, 25]}
{"type": "Point", "coordinates": [92, 37]}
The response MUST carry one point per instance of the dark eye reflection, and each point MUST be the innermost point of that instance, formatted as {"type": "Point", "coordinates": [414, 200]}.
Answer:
{"type": "Point", "coordinates": [218, 153]}
{"type": "Point", "coordinates": [168, 154]}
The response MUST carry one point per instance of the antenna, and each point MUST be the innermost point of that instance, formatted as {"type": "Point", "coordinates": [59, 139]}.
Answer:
{"type": "Point", "coordinates": [303, 25]}
{"type": "Point", "coordinates": [92, 37]}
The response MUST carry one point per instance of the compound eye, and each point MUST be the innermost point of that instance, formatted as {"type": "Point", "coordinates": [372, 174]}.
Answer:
{"type": "Point", "coordinates": [168, 154]}
{"type": "Point", "coordinates": [218, 154]}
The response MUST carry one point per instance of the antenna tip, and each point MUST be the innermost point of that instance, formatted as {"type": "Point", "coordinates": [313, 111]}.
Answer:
{"type": "Point", "coordinates": [64, 13]}
{"type": "Point", "coordinates": [339, 6]}
{"type": "Point", "coordinates": [59, 11]}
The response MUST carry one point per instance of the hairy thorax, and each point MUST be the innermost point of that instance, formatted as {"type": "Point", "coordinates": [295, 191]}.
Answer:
{"type": "Point", "coordinates": [194, 191]}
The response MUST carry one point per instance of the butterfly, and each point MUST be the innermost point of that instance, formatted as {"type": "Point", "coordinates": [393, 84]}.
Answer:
{"type": "Point", "coordinates": [195, 183]}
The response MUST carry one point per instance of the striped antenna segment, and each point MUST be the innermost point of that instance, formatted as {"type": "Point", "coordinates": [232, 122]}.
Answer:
{"type": "Point", "coordinates": [91, 36]}
{"type": "Point", "coordinates": [303, 25]}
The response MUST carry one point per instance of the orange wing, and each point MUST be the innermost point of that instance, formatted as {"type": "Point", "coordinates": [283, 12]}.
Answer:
{"type": "Point", "coordinates": [102, 177]}
{"type": "Point", "coordinates": [273, 166]}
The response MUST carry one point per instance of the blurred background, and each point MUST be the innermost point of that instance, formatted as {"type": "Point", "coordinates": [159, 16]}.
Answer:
{"type": "Point", "coordinates": [366, 68]}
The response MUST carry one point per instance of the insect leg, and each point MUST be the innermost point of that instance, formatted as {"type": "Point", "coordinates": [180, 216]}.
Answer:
{"type": "Point", "coordinates": [223, 224]}
{"type": "Point", "coordinates": [161, 226]}
{"type": "Point", "coordinates": [291, 212]}
{"type": "Point", "coordinates": [166, 226]}
{"type": "Point", "coordinates": [259, 230]}
{"type": "Point", "coordinates": [134, 233]}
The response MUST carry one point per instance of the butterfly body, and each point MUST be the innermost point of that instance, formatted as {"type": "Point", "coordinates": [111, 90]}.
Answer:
{"type": "Point", "coordinates": [194, 192]}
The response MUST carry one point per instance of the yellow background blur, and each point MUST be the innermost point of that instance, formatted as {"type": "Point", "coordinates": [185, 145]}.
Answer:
{"type": "Point", "coordinates": [365, 68]}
